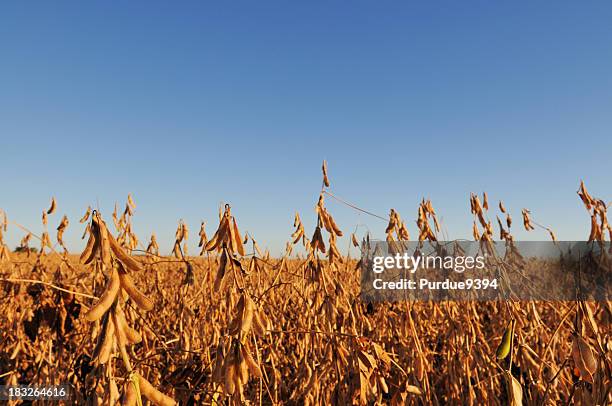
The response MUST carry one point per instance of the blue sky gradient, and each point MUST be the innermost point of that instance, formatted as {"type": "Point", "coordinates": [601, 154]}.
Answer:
{"type": "Point", "coordinates": [187, 105]}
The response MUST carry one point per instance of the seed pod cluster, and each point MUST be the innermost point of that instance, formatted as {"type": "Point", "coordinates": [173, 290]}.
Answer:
{"type": "Point", "coordinates": [203, 237]}
{"type": "Point", "coordinates": [326, 219]}
{"type": "Point", "coordinates": [227, 261]}
{"type": "Point", "coordinates": [598, 210]}
{"type": "Point", "coordinates": [227, 235]}
{"type": "Point", "coordinates": [235, 368]}
{"type": "Point", "coordinates": [153, 247]}
{"type": "Point", "coordinates": [298, 234]}
{"type": "Point", "coordinates": [114, 328]}
{"type": "Point", "coordinates": [247, 317]}
{"type": "Point", "coordinates": [60, 231]}
{"type": "Point", "coordinates": [527, 220]}
{"type": "Point", "coordinates": [181, 235]}
{"type": "Point", "coordinates": [102, 244]}
{"type": "Point", "coordinates": [425, 213]}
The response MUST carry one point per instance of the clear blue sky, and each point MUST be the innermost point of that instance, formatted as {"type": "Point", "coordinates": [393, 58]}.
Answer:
{"type": "Point", "coordinates": [189, 104]}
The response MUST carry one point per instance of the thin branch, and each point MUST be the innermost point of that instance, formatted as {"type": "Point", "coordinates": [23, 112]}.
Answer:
{"type": "Point", "coordinates": [34, 281]}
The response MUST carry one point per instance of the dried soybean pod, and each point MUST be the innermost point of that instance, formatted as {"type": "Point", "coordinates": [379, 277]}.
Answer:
{"type": "Point", "coordinates": [153, 394]}
{"type": "Point", "coordinates": [119, 332]}
{"type": "Point", "coordinates": [91, 248]}
{"type": "Point", "coordinates": [229, 379]}
{"type": "Point", "coordinates": [229, 367]}
{"type": "Point", "coordinates": [219, 236]}
{"type": "Point", "coordinates": [383, 384]}
{"type": "Point", "coordinates": [131, 201]}
{"type": "Point", "coordinates": [243, 371]}
{"type": "Point", "coordinates": [104, 345]}
{"type": "Point", "coordinates": [354, 240]}
{"type": "Point", "coordinates": [219, 358]}
{"type": "Point", "coordinates": [133, 337]}
{"type": "Point", "coordinates": [53, 206]}
{"type": "Point", "coordinates": [325, 178]}
{"type": "Point", "coordinates": [247, 316]}
{"type": "Point", "coordinates": [138, 297]}
{"type": "Point", "coordinates": [105, 252]}
{"type": "Point", "coordinates": [129, 397]}
{"type": "Point", "coordinates": [236, 323]}
{"type": "Point", "coordinates": [107, 298]}
{"type": "Point", "coordinates": [258, 326]}
{"type": "Point", "coordinates": [265, 321]}
{"type": "Point", "coordinates": [237, 239]}
{"type": "Point", "coordinates": [251, 364]}
{"type": "Point", "coordinates": [113, 392]}
{"type": "Point", "coordinates": [107, 347]}
{"type": "Point", "coordinates": [212, 243]}
{"type": "Point", "coordinates": [506, 342]}
{"type": "Point", "coordinates": [221, 270]}
{"type": "Point", "coordinates": [86, 215]}
{"type": "Point", "coordinates": [334, 226]}
{"type": "Point", "coordinates": [127, 260]}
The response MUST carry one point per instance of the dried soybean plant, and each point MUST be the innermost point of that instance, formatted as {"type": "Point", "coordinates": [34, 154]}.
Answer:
{"type": "Point", "coordinates": [233, 359]}
{"type": "Point", "coordinates": [426, 213]}
{"type": "Point", "coordinates": [45, 240]}
{"type": "Point", "coordinates": [181, 237]}
{"type": "Point", "coordinates": [598, 210]}
{"type": "Point", "coordinates": [214, 344]}
{"type": "Point", "coordinates": [203, 238]}
{"type": "Point", "coordinates": [106, 254]}
{"type": "Point", "coordinates": [153, 247]}
{"type": "Point", "coordinates": [127, 238]}
{"type": "Point", "coordinates": [24, 244]}
{"type": "Point", "coordinates": [60, 233]}
{"type": "Point", "coordinates": [5, 253]}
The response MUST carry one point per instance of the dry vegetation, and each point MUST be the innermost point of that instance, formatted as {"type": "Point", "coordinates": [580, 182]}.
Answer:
{"type": "Point", "coordinates": [233, 325]}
